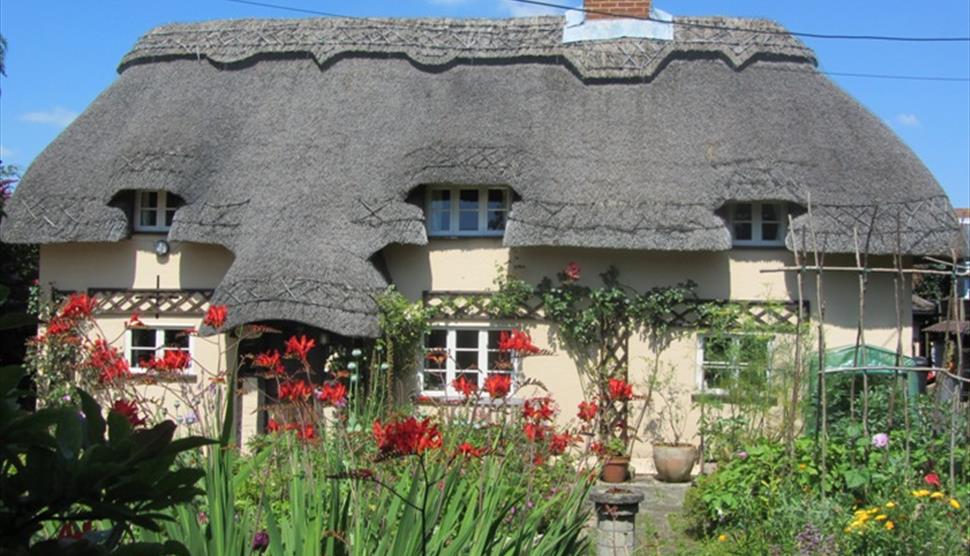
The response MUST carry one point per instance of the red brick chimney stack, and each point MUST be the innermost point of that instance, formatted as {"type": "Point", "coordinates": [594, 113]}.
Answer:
{"type": "Point", "coordinates": [619, 8]}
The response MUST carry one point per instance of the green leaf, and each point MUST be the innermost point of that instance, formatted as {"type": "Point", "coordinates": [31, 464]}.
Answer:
{"type": "Point", "coordinates": [69, 434]}
{"type": "Point", "coordinates": [95, 421]}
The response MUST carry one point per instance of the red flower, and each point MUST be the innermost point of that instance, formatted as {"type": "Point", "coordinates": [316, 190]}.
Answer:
{"type": "Point", "coordinates": [306, 432]}
{"type": "Point", "coordinates": [59, 325]}
{"type": "Point", "coordinates": [128, 410]}
{"type": "Point", "coordinates": [597, 448]}
{"type": "Point", "coordinates": [215, 316]}
{"type": "Point", "coordinates": [932, 479]}
{"type": "Point", "coordinates": [539, 409]}
{"type": "Point", "coordinates": [273, 425]}
{"type": "Point", "coordinates": [173, 360]}
{"type": "Point", "coordinates": [518, 342]}
{"type": "Point", "coordinates": [70, 530]}
{"type": "Point", "coordinates": [467, 388]}
{"type": "Point", "coordinates": [334, 394]}
{"type": "Point", "coordinates": [466, 449]}
{"type": "Point", "coordinates": [299, 348]}
{"type": "Point", "coordinates": [78, 306]}
{"type": "Point", "coordinates": [410, 436]}
{"type": "Point", "coordinates": [559, 443]}
{"type": "Point", "coordinates": [620, 390]}
{"type": "Point", "coordinates": [572, 272]}
{"type": "Point", "coordinates": [135, 322]}
{"type": "Point", "coordinates": [498, 385]}
{"type": "Point", "coordinates": [587, 411]}
{"type": "Point", "coordinates": [108, 362]}
{"type": "Point", "coordinates": [534, 432]}
{"type": "Point", "coordinates": [295, 390]}
{"type": "Point", "coordinates": [269, 360]}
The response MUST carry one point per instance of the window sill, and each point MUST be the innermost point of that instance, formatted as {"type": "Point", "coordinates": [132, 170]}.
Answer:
{"type": "Point", "coordinates": [476, 235]}
{"type": "Point", "coordinates": [458, 401]}
{"type": "Point", "coordinates": [146, 377]}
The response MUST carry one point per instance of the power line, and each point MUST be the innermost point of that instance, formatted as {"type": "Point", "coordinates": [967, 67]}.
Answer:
{"type": "Point", "coordinates": [759, 31]}
{"type": "Point", "coordinates": [289, 8]}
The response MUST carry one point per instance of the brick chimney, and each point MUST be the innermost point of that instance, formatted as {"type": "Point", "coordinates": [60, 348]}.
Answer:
{"type": "Point", "coordinates": [619, 8]}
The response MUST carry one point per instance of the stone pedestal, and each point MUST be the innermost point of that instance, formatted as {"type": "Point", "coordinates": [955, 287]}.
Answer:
{"type": "Point", "coordinates": [616, 512]}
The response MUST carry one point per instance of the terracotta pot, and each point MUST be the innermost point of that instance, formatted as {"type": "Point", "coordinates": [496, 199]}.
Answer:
{"type": "Point", "coordinates": [674, 462]}
{"type": "Point", "coordinates": [615, 469]}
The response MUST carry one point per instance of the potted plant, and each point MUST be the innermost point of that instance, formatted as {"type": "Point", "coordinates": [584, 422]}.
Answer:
{"type": "Point", "coordinates": [672, 457]}
{"type": "Point", "coordinates": [616, 464]}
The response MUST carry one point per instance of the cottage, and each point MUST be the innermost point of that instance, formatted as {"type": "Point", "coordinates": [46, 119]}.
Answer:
{"type": "Point", "coordinates": [293, 169]}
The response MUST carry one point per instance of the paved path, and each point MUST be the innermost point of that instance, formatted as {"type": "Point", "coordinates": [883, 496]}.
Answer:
{"type": "Point", "coordinates": [660, 500]}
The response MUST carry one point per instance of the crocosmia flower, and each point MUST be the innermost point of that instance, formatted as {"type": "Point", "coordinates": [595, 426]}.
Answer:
{"type": "Point", "coordinates": [334, 394]}
{"type": "Point", "coordinates": [465, 387]}
{"type": "Point", "coordinates": [215, 316]}
{"type": "Point", "coordinates": [539, 409]}
{"type": "Point", "coordinates": [498, 385]}
{"type": "Point", "coordinates": [587, 411]}
{"type": "Point", "coordinates": [128, 410]}
{"type": "Point", "coordinates": [466, 449]}
{"type": "Point", "coordinates": [299, 347]}
{"type": "Point", "coordinates": [572, 272]}
{"type": "Point", "coordinates": [406, 437]}
{"type": "Point", "coordinates": [880, 440]}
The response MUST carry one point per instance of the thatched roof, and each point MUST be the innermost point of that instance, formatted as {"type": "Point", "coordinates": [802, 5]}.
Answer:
{"type": "Point", "coordinates": [295, 145]}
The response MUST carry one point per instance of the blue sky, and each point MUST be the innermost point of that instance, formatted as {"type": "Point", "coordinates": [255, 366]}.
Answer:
{"type": "Point", "coordinates": [61, 54]}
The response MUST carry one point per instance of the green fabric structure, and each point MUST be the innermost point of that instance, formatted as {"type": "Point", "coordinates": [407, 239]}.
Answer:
{"type": "Point", "coordinates": [882, 360]}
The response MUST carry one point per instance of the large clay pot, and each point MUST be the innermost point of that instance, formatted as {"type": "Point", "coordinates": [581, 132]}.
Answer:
{"type": "Point", "coordinates": [674, 462]}
{"type": "Point", "coordinates": [615, 469]}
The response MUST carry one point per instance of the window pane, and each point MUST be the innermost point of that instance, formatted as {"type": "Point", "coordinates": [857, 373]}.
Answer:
{"type": "Point", "coordinates": [143, 338]}
{"type": "Point", "coordinates": [770, 232]}
{"type": "Point", "coordinates": [466, 339]}
{"type": "Point", "coordinates": [177, 338]}
{"type": "Point", "coordinates": [441, 221]}
{"type": "Point", "coordinates": [496, 199]}
{"type": "Point", "coordinates": [753, 349]}
{"type": "Point", "coordinates": [470, 377]}
{"type": "Point", "coordinates": [440, 199]}
{"type": "Point", "coordinates": [466, 360]}
{"type": "Point", "coordinates": [496, 220]}
{"type": "Point", "coordinates": [468, 221]}
{"type": "Point", "coordinates": [436, 339]}
{"type": "Point", "coordinates": [468, 199]}
{"type": "Point", "coordinates": [494, 337]}
{"type": "Point", "coordinates": [769, 212]}
{"type": "Point", "coordinates": [149, 199]}
{"type": "Point", "coordinates": [140, 356]}
{"type": "Point", "coordinates": [742, 212]}
{"type": "Point", "coordinates": [169, 217]}
{"type": "Point", "coordinates": [742, 231]}
{"type": "Point", "coordinates": [147, 218]}
{"type": "Point", "coordinates": [434, 381]}
{"type": "Point", "coordinates": [717, 349]}
{"type": "Point", "coordinates": [499, 361]}
{"type": "Point", "coordinates": [717, 377]}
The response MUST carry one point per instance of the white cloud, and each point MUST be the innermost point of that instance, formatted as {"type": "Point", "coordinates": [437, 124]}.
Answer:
{"type": "Point", "coordinates": [57, 116]}
{"type": "Point", "coordinates": [908, 120]}
{"type": "Point", "coordinates": [6, 153]}
{"type": "Point", "coordinates": [518, 9]}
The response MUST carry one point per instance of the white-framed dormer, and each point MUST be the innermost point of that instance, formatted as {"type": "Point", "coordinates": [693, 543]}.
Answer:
{"type": "Point", "coordinates": [154, 211]}
{"type": "Point", "coordinates": [758, 224]}
{"type": "Point", "coordinates": [469, 349]}
{"type": "Point", "coordinates": [153, 340]}
{"type": "Point", "coordinates": [466, 211]}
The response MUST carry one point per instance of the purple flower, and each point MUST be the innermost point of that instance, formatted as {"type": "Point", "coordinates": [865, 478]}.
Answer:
{"type": "Point", "coordinates": [880, 440]}
{"type": "Point", "coordinates": [742, 455]}
{"type": "Point", "coordinates": [261, 541]}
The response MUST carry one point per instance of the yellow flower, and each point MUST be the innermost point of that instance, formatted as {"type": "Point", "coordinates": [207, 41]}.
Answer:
{"type": "Point", "coordinates": [936, 495]}
{"type": "Point", "coordinates": [802, 467]}
{"type": "Point", "coordinates": [954, 503]}
{"type": "Point", "coordinates": [890, 526]}
{"type": "Point", "coordinates": [881, 517]}
{"type": "Point", "coordinates": [890, 505]}
{"type": "Point", "coordinates": [722, 538]}
{"type": "Point", "coordinates": [921, 493]}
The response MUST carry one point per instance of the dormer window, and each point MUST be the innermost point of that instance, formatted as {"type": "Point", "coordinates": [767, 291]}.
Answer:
{"type": "Point", "coordinates": [154, 211]}
{"type": "Point", "coordinates": [758, 224]}
{"type": "Point", "coordinates": [467, 211]}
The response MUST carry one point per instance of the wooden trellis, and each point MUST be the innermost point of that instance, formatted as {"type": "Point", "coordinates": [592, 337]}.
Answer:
{"type": "Point", "coordinates": [117, 301]}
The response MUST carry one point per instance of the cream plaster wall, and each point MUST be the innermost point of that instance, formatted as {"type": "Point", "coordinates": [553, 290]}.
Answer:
{"type": "Point", "coordinates": [472, 264]}
{"type": "Point", "coordinates": [132, 264]}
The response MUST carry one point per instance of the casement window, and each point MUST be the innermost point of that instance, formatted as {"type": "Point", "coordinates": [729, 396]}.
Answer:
{"type": "Point", "coordinates": [758, 224]}
{"type": "Point", "coordinates": [452, 352]}
{"type": "Point", "coordinates": [154, 211]}
{"type": "Point", "coordinates": [727, 361]}
{"type": "Point", "coordinates": [467, 211]}
{"type": "Point", "coordinates": [142, 344]}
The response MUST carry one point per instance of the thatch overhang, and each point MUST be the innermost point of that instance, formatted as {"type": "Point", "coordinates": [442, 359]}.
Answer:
{"type": "Point", "coordinates": [296, 143]}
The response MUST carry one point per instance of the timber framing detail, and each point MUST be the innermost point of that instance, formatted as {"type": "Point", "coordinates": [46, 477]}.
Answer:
{"type": "Point", "coordinates": [115, 301]}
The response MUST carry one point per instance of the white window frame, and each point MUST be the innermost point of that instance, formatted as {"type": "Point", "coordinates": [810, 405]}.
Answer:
{"type": "Point", "coordinates": [454, 213]}
{"type": "Point", "coordinates": [451, 370]}
{"type": "Point", "coordinates": [757, 223]}
{"type": "Point", "coordinates": [702, 362]}
{"type": "Point", "coordinates": [160, 344]}
{"type": "Point", "coordinates": [160, 211]}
